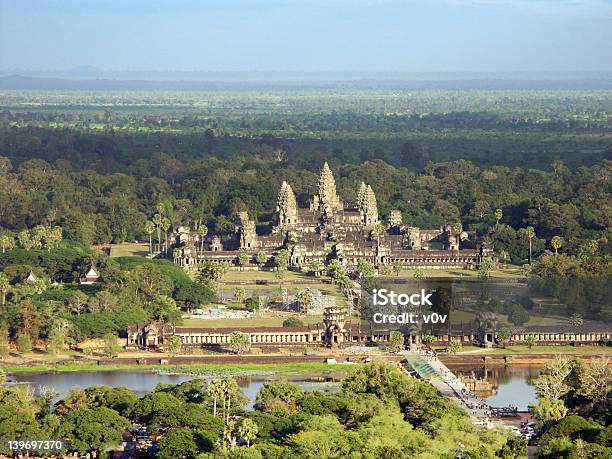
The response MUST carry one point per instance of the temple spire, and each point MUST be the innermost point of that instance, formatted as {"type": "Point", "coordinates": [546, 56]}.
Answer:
{"type": "Point", "coordinates": [361, 194]}
{"type": "Point", "coordinates": [287, 205]}
{"type": "Point", "coordinates": [328, 198]}
{"type": "Point", "coordinates": [367, 205]}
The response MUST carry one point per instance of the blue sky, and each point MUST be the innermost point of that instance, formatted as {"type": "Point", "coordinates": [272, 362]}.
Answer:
{"type": "Point", "coordinates": [308, 35]}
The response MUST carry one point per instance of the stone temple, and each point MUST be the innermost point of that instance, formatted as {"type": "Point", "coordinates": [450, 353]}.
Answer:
{"type": "Point", "coordinates": [329, 229]}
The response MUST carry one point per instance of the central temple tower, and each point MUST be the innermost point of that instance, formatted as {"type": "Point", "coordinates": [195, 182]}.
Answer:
{"type": "Point", "coordinates": [327, 200]}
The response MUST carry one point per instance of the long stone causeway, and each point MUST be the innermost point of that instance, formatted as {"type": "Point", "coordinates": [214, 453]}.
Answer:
{"type": "Point", "coordinates": [437, 374]}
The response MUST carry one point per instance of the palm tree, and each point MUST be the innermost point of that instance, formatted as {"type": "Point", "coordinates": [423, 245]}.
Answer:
{"type": "Point", "coordinates": [556, 242]}
{"type": "Point", "coordinates": [378, 230]}
{"type": "Point", "coordinates": [248, 431]}
{"type": "Point", "coordinates": [165, 225]}
{"type": "Point", "coordinates": [215, 389]}
{"type": "Point", "coordinates": [25, 240]}
{"type": "Point", "coordinates": [149, 229]}
{"type": "Point", "coordinates": [39, 235]}
{"type": "Point", "coordinates": [203, 233]}
{"type": "Point", "coordinates": [229, 433]}
{"type": "Point", "coordinates": [261, 258]}
{"type": "Point", "coordinates": [157, 219]}
{"type": "Point", "coordinates": [498, 216]}
{"type": "Point", "coordinates": [529, 233]}
{"type": "Point", "coordinates": [7, 241]}
{"type": "Point", "coordinates": [458, 228]}
{"type": "Point", "coordinates": [55, 236]}
{"type": "Point", "coordinates": [4, 287]}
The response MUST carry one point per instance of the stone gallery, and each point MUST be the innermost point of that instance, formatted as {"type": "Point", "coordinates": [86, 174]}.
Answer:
{"type": "Point", "coordinates": [329, 229]}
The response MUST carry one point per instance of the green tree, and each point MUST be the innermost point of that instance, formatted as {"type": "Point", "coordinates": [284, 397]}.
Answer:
{"type": "Point", "coordinates": [77, 302]}
{"type": "Point", "coordinates": [552, 382]}
{"type": "Point", "coordinates": [531, 341]}
{"type": "Point", "coordinates": [365, 268]}
{"type": "Point", "coordinates": [279, 398]}
{"type": "Point", "coordinates": [314, 266]}
{"type": "Point", "coordinates": [292, 322]}
{"type": "Point", "coordinates": [18, 414]}
{"type": "Point", "coordinates": [514, 448]}
{"type": "Point", "coordinates": [518, 315]}
{"type": "Point", "coordinates": [576, 319]}
{"type": "Point", "coordinates": [111, 347]}
{"type": "Point", "coordinates": [429, 340]}
{"type": "Point", "coordinates": [174, 345]}
{"type": "Point", "coordinates": [528, 233]}
{"type": "Point", "coordinates": [498, 216]}
{"type": "Point", "coordinates": [261, 258]}
{"type": "Point", "coordinates": [487, 264]}
{"type": "Point", "coordinates": [192, 295]}
{"type": "Point", "coordinates": [177, 443]}
{"type": "Point", "coordinates": [240, 294]}
{"type": "Point", "coordinates": [547, 410]}
{"type": "Point", "coordinates": [240, 342]}
{"type": "Point", "coordinates": [57, 337]}
{"type": "Point", "coordinates": [243, 258]}
{"type": "Point", "coordinates": [4, 341]}
{"type": "Point", "coordinates": [211, 274]}
{"type": "Point", "coordinates": [5, 287]}
{"type": "Point", "coordinates": [150, 229]}
{"type": "Point", "coordinates": [454, 346]}
{"type": "Point", "coordinates": [93, 430]}
{"type": "Point", "coordinates": [396, 340]}
{"type": "Point", "coordinates": [230, 433]}
{"type": "Point", "coordinates": [165, 226]}
{"type": "Point", "coordinates": [378, 230]}
{"type": "Point", "coordinates": [503, 335]}
{"type": "Point", "coordinates": [556, 242]}
{"type": "Point", "coordinates": [7, 242]}
{"type": "Point", "coordinates": [397, 267]}
{"type": "Point", "coordinates": [215, 391]}
{"type": "Point", "coordinates": [281, 261]}
{"type": "Point", "coordinates": [247, 430]}
{"type": "Point", "coordinates": [24, 343]}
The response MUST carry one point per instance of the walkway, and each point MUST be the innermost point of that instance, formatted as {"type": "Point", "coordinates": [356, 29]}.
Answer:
{"type": "Point", "coordinates": [430, 369]}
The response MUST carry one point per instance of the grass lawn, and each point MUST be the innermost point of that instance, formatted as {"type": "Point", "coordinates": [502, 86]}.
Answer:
{"type": "Point", "coordinates": [267, 321]}
{"type": "Point", "coordinates": [523, 349]}
{"type": "Point", "coordinates": [191, 368]}
{"type": "Point", "coordinates": [129, 249]}
{"type": "Point", "coordinates": [234, 276]}
{"type": "Point", "coordinates": [505, 272]}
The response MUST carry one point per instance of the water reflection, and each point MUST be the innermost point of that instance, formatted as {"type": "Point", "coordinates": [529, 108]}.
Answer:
{"type": "Point", "coordinates": [142, 382]}
{"type": "Point", "coordinates": [502, 386]}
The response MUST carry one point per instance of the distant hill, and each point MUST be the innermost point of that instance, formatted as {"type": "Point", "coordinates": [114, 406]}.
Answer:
{"type": "Point", "coordinates": [21, 82]}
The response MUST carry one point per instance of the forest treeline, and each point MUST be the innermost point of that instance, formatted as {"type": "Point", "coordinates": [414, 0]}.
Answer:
{"type": "Point", "coordinates": [377, 411]}
{"type": "Point", "coordinates": [93, 207]}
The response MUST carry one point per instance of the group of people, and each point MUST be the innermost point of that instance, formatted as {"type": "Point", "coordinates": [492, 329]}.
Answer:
{"type": "Point", "coordinates": [474, 403]}
{"type": "Point", "coordinates": [429, 354]}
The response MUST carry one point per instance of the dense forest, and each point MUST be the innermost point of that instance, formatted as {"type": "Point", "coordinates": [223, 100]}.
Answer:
{"type": "Point", "coordinates": [379, 412]}
{"type": "Point", "coordinates": [98, 164]}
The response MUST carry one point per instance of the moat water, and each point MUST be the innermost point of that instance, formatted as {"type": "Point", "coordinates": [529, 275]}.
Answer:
{"type": "Point", "coordinates": [510, 385]}
{"type": "Point", "coordinates": [143, 382]}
